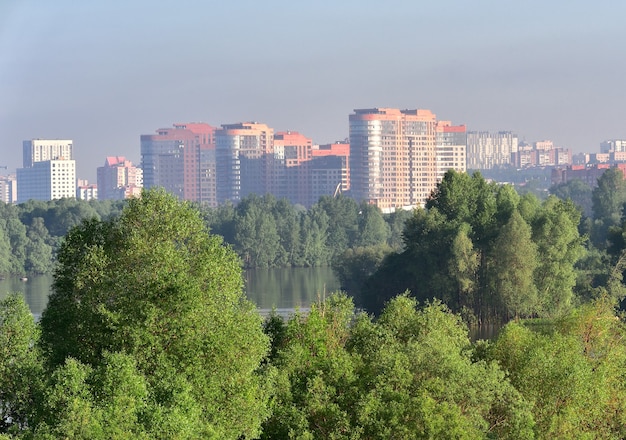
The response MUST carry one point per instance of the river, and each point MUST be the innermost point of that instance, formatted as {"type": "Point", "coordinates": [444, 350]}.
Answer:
{"type": "Point", "coordinates": [283, 289]}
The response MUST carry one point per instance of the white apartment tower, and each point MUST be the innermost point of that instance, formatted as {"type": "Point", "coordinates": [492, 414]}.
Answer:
{"type": "Point", "coordinates": [49, 171]}
{"type": "Point", "coordinates": [39, 150]}
{"type": "Point", "coordinates": [47, 180]}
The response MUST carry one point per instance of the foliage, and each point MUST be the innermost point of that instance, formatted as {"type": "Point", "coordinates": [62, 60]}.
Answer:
{"type": "Point", "coordinates": [30, 233]}
{"type": "Point", "coordinates": [154, 285]}
{"type": "Point", "coordinates": [20, 364]}
{"type": "Point", "coordinates": [354, 266]}
{"type": "Point", "coordinates": [572, 371]}
{"type": "Point", "coordinates": [608, 200]}
{"type": "Point", "coordinates": [486, 252]}
{"type": "Point", "coordinates": [263, 230]}
{"type": "Point", "coordinates": [270, 232]}
{"type": "Point", "coordinates": [578, 192]}
{"type": "Point", "coordinates": [408, 375]}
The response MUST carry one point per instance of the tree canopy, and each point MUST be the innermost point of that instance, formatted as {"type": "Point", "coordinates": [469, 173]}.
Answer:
{"type": "Point", "coordinates": [484, 251]}
{"type": "Point", "coordinates": [154, 285]}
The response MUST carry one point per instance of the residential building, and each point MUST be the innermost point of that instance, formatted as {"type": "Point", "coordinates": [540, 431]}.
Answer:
{"type": "Point", "coordinates": [290, 173]}
{"type": "Point", "coordinates": [329, 171]}
{"type": "Point", "coordinates": [119, 179]}
{"type": "Point", "coordinates": [8, 189]}
{"type": "Point", "coordinates": [540, 154]}
{"type": "Point", "coordinates": [49, 171]}
{"type": "Point", "coordinates": [587, 173]}
{"type": "Point", "coordinates": [181, 160]}
{"type": "Point", "coordinates": [86, 191]}
{"type": "Point", "coordinates": [245, 160]}
{"type": "Point", "coordinates": [38, 150]}
{"type": "Point", "coordinates": [47, 180]}
{"type": "Point", "coordinates": [487, 150]}
{"type": "Point", "coordinates": [613, 145]}
{"type": "Point", "coordinates": [451, 148]}
{"type": "Point", "coordinates": [393, 156]}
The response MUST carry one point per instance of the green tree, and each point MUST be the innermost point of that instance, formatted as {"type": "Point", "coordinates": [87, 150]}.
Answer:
{"type": "Point", "coordinates": [463, 267]}
{"type": "Point", "coordinates": [354, 266]}
{"type": "Point", "coordinates": [408, 375]}
{"type": "Point", "coordinates": [397, 221]}
{"type": "Point", "coordinates": [21, 369]}
{"type": "Point", "coordinates": [16, 233]}
{"type": "Point", "coordinates": [578, 192]}
{"type": "Point", "coordinates": [255, 234]}
{"type": "Point", "coordinates": [516, 257]}
{"type": "Point", "coordinates": [314, 374]}
{"type": "Point", "coordinates": [608, 200]}
{"type": "Point", "coordinates": [39, 257]}
{"type": "Point", "coordinates": [5, 252]}
{"type": "Point", "coordinates": [342, 213]}
{"type": "Point", "coordinates": [555, 232]}
{"type": "Point", "coordinates": [314, 236]}
{"type": "Point", "coordinates": [373, 230]}
{"type": "Point", "coordinates": [572, 370]}
{"type": "Point", "coordinates": [420, 380]}
{"type": "Point", "coordinates": [287, 220]}
{"type": "Point", "coordinates": [155, 285]}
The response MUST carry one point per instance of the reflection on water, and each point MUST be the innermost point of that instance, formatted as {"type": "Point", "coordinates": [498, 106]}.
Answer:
{"type": "Point", "coordinates": [267, 288]}
{"type": "Point", "coordinates": [35, 290]}
{"type": "Point", "coordinates": [289, 288]}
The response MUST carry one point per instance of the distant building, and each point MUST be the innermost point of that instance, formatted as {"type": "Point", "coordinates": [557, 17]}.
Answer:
{"type": "Point", "coordinates": [487, 150]}
{"type": "Point", "coordinates": [329, 171]}
{"type": "Point", "coordinates": [39, 150]}
{"type": "Point", "coordinates": [245, 160]}
{"type": "Point", "coordinates": [119, 179]}
{"type": "Point", "coordinates": [86, 191]}
{"type": "Point", "coordinates": [47, 180]}
{"type": "Point", "coordinates": [586, 173]}
{"type": "Point", "coordinates": [181, 160]}
{"type": "Point", "coordinates": [397, 156]}
{"type": "Point", "coordinates": [540, 154]}
{"type": "Point", "coordinates": [289, 168]}
{"type": "Point", "coordinates": [451, 148]}
{"type": "Point", "coordinates": [613, 145]}
{"type": "Point", "coordinates": [8, 189]}
{"type": "Point", "coordinates": [49, 171]}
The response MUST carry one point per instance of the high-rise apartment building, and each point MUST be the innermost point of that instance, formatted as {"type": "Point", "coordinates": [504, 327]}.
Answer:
{"type": "Point", "coordinates": [47, 180]}
{"type": "Point", "coordinates": [451, 148]}
{"type": "Point", "coordinates": [487, 150]}
{"type": "Point", "coordinates": [329, 171]}
{"type": "Point", "coordinates": [245, 160]}
{"type": "Point", "coordinates": [39, 150]}
{"type": "Point", "coordinates": [613, 146]}
{"type": "Point", "coordinates": [8, 189]}
{"type": "Point", "coordinates": [181, 160]}
{"type": "Point", "coordinates": [49, 171]}
{"type": "Point", "coordinates": [119, 179]}
{"type": "Point", "coordinates": [540, 154]}
{"type": "Point", "coordinates": [393, 156]}
{"type": "Point", "coordinates": [290, 174]}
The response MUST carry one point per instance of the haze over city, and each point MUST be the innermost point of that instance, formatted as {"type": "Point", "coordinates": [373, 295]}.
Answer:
{"type": "Point", "coordinates": [103, 73]}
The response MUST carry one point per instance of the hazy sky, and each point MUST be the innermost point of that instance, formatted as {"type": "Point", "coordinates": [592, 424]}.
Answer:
{"type": "Point", "coordinates": [104, 72]}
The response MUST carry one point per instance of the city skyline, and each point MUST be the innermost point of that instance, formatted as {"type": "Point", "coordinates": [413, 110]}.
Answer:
{"type": "Point", "coordinates": [103, 74]}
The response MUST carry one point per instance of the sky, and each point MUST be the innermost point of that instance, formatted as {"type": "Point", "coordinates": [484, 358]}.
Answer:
{"type": "Point", "coordinates": [104, 72]}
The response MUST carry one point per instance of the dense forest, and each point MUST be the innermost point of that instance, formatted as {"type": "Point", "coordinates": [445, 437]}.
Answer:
{"type": "Point", "coordinates": [483, 249]}
{"type": "Point", "coordinates": [148, 334]}
{"type": "Point", "coordinates": [264, 231]}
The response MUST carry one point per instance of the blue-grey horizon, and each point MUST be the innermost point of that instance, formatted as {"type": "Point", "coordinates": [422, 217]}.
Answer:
{"type": "Point", "coordinates": [103, 73]}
